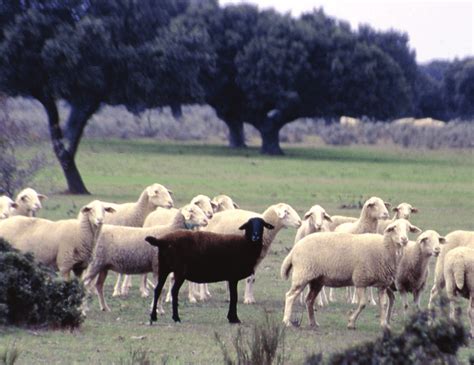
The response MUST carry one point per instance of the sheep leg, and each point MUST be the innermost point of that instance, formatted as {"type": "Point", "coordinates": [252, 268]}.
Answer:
{"type": "Point", "coordinates": [332, 295]}
{"type": "Point", "coordinates": [178, 281]}
{"type": "Point", "coordinates": [248, 296]}
{"type": "Point", "coordinates": [100, 290]}
{"type": "Point", "coordinates": [470, 313]}
{"type": "Point", "coordinates": [160, 308]}
{"type": "Point", "coordinates": [372, 299]}
{"type": "Point", "coordinates": [302, 298]}
{"type": "Point", "coordinates": [143, 287]}
{"type": "Point", "coordinates": [168, 295]}
{"type": "Point", "coordinates": [349, 294]}
{"type": "Point", "coordinates": [158, 288]}
{"type": "Point", "coordinates": [191, 290]}
{"type": "Point", "coordinates": [126, 284]}
{"type": "Point", "coordinates": [404, 297]}
{"type": "Point", "coordinates": [291, 295]}
{"type": "Point", "coordinates": [203, 291]}
{"type": "Point", "coordinates": [324, 297]}
{"type": "Point", "coordinates": [362, 303]}
{"type": "Point", "coordinates": [232, 314]}
{"type": "Point", "coordinates": [433, 294]}
{"type": "Point", "coordinates": [117, 292]}
{"type": "Point", "coordinates": [417, 298]}
{"type": "Point", "coordinates": [314, 290]}
{"type": "Point", "coordinates": [355, 299]}
{"type": "Point", "coordinates": [391, 301]}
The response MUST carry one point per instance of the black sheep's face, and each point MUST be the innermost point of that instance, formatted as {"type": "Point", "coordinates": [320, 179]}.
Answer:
{"type": "Point", "coordinates": [254, 229]}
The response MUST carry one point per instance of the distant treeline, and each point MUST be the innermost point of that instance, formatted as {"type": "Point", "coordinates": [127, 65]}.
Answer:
{"type": "Point", "coordinates": [255, 66]}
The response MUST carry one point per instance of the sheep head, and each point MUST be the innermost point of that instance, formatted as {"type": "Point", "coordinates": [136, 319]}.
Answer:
{"type": "Point", "coordinates": [317, 215]}
{"type": "Point", "coordinates": [404, 210]}
{"type": "Point", "coordinates": [254, 229]}
{"type": "Point", "coordinates": [193, 216]}
{"type": "Point", "coordinates": [95, 212]}
{"type": "Point", "coordinates": [376, 208]}
{"type": "Point", "coordinates": [6, 207]}
{"type": "Point", "coordinates": [287, 215]}
{"type": "Point", "coordinates": [430, 242]}
{"type": "Point", "coordinates": [160, 196]}
{"type": "Point", "coordinates": [204, 202]}
{"type": "Point", "coordinates": [398, 231]}
{"type": "Point", "coordinates": [30, 201]}
{"type": "Point", "coordinates": [221, 203]}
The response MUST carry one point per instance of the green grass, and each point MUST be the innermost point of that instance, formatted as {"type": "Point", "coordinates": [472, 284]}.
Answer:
{"type": "Point", "coordinates": [439, 183]}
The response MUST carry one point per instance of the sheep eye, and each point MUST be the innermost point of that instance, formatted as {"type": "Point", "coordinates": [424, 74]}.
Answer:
{"type": "Point", "coordinates": [24, 198]}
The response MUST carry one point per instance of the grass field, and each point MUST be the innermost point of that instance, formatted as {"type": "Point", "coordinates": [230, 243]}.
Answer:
{"type": "Point", "coordinates": [439, 183]}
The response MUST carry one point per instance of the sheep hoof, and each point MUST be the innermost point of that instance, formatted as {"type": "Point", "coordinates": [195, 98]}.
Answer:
{"type": "Point", "coordinates": [192, 300]}
{"type": "Point", "coordinates": [351, 326]}
{"type": "Point", "coordinates": [145, 295]}
{"type": "Point", "coordinates": [153, 317]}
{"type": "Point", "coordinates": [234, 321]}
{"type": "Point", "coordinates": [373, 302]}
{"type": "Point", "coordinates": [249, 301]}
{"type": "Point", "coordinates": [176, 319]}
{"type": "Point", "coordinates": [314, 325]}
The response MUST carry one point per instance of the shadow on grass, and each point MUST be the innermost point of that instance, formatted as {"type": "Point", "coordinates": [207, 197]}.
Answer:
{"type": "Point", "coordinates": [301, 153]}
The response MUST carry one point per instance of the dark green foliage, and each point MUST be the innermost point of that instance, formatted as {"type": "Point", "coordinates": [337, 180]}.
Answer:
{"type": "Point", "coordinates": [265, 345]}
{"type": "Point", "coordinates": [31, 294]}
{"type": "Point", "coordinates": [428, 338]}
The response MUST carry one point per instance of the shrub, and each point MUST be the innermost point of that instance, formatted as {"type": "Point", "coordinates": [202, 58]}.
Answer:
{"type": "Point", "coordinates": [428, 338]}
{"type": "Point", "coordinates": [31, 294]}
{"type": "Point", "coordinates": [265, 345]}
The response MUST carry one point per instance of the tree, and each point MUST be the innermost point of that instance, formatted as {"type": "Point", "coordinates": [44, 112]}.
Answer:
{"type": "Point", "coordinates": [116, 52]}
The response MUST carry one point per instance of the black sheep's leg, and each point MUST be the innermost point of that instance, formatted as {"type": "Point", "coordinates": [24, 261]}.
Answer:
{"type": "Point", "coordinates": [158, 289]}
{"type": "Point", "coordinates": [232, 315]}
{"type": "Point", "coordinates": [178, 281]}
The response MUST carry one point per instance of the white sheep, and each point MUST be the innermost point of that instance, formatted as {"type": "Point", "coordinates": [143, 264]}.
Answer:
{"type": "Point", "coordinates": [349, 121]}
{"type": "Point", "coordinates": [65, 245]}
{"type": "Point", "coordinates": [29, 202]}
{"type": "Point", "coordinates": [373, 210]}
{"type": "Point", "coordinates": [228, 222]}
{"type": "Point", "coordinates": [459, 275]}
{"type": "Point", "coordinates": [343, 259]}
{"type": "Point", "coordinates": [165, 216]}
{"type": "Point", "coordinates": [315, 220]}
{"type": "Point", "coordinates": [223, 202]}
{"type": "Point", "coordinates": [134, 215]}
{"type": "Point", "coordinates": [413, 268]}
{"type": "Point", "coordinates": [124, 250]}
{"type": "Point", "coordinates": [453, 240]}
{"type": "Point", "coordinates": [6, 206]}
{"type": "Point", "coordinates": [402, 211]}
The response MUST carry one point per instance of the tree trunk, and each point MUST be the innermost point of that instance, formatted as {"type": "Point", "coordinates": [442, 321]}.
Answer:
{"type": "Point", "coordinates": [270, 133]}
{"type": "Point", "coordinates": [65, 157]}
{"type": "Point", "coordinates": [236, 135]}
{"type": "Point", "coordinates": [77, 121]}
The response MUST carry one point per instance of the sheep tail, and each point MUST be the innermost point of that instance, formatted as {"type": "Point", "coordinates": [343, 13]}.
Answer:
{"type": "Point", "coordinates": [286, 266]}
{"type": "Point", "coordinates": [459, 275]}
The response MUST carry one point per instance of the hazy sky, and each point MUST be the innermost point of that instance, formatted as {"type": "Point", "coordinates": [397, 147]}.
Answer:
{"type": "Point", "coordinates": [438, 29]}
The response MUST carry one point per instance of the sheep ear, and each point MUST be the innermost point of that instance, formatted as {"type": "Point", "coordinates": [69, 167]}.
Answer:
{"type": "Point", "coordinates": [86, 209]}
{"type": "Point", "coordinates": [186, 214]}
{"type": "Point", "coordinates": [152, 241]}
{"type": "Point", "coordinates": [387, 205]}
{"type": "Point", "coordinates": [42, 197]}
{"type": "Point", "coordinates": [14, 205]}
{"type": "Point", "coordinates": [395, 209]}
{"type": "Point", "coordinates": [370, 205]}
{"type": "Point", "coordinates": [442, 240]}
{"type": "Point", "coordinates": [268, 225]}
{"type": "Point", "coordinates": [327, 217]}
{"type": "Point", "coordinates": [414, 229]}
{"type": "Point", "coordinates": [214, 205]}
{"type": "Point", "coordinates": [236, 206]}
{"type": "Point", "coordinates": [170, 191]}
{"type": "Point", "coordinates": [244, 226]}
{"type": "Point", "coordinates": [390, 228]}
{"type": "Point", "coordinates": [307, 214]}
{"type": "Point", "coordinates": [110, 210]}
{"type": "Point", "coordinates": [414, 210]}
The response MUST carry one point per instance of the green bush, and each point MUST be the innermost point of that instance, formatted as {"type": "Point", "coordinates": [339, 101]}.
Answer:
{"type": "Point", "coordinates": [32, 294]}
{"type": "Point", "coordinates": [428, 338]}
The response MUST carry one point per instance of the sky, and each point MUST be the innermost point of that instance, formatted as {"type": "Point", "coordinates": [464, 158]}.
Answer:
{"type": "Point", "coordinates": [437, 29]}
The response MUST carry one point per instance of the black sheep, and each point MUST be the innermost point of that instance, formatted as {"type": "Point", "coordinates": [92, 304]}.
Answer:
{"type": "Point", "coordinates": [206, 257]}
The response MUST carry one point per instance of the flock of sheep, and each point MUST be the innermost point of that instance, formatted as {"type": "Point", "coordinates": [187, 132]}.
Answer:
{"type": "Point", "coordinates": [210, 240]}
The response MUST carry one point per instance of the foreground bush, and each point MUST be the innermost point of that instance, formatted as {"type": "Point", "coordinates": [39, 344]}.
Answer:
{"type": "Point", "coordinates": [428, 338]}
{"type": "Point", "coordinates": [31, 294]}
